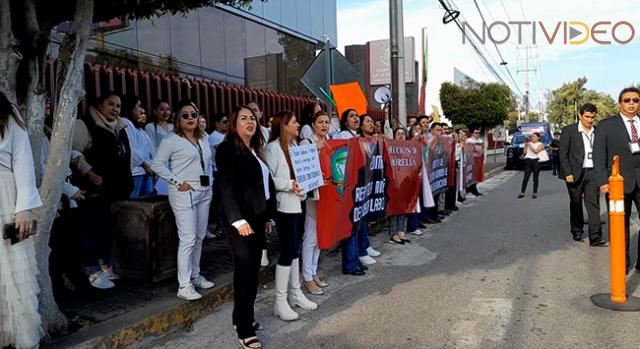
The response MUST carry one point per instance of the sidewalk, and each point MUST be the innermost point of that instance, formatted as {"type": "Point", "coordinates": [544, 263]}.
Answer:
{"type": "Point", "coordinates": [129, 313]}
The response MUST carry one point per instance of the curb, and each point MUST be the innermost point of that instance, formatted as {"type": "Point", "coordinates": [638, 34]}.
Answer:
{"type": "Point", "coordinates": [158, 320]}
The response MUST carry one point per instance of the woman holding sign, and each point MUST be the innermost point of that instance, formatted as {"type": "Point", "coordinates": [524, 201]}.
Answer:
{"type": "Point", "coordinates": [320, 123]}
{"type": "Point", "coordinates": [289, 216]}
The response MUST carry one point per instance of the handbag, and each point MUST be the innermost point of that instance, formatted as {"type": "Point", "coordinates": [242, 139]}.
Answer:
{"type": "Point", "coordinates": [543, 156]}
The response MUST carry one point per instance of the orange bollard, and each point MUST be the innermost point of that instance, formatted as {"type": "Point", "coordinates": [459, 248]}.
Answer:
{"type": "Point", "coordinates": [616, 234]}
{"type": "Point", "coordinates": [617, 299]}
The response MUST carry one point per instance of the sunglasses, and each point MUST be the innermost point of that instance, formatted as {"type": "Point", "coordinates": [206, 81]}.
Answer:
{"type": "Point", "coordinates": [629, 100]}
{"type": "Point", "coordinates": [192, 115]}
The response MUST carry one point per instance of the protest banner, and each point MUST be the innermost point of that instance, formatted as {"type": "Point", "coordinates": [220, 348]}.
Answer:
{"type": "Point", "coordinates": [336, 202]}
{"type": "Point", "coordinates": [438, 168]}
{"type": "Point", "coordinates": [403, 162]}
{"type": "Point", "coordinates": [478, 162]}
{"type": "Point", "coordinates": [369, 195]}
{"type": "Point", "coordinates": [306, 166]}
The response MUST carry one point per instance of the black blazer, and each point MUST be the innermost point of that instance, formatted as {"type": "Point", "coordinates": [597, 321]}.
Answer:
{"type": "Point", "coordinates": [571, 152]}
{"type": "Point", "coordinates": [239, 189]}
{"type": "Point", "coordinates": [612, 139]}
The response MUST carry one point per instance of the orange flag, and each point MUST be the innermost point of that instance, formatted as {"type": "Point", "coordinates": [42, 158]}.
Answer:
{"type": "Point", "coordinates": [348, 96]}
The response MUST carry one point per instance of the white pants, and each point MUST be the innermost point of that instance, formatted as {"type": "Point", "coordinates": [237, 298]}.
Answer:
{"type": "Point", "coordinates": [191, 210]}
{"type": "Point", "coordinates": [310, 250]}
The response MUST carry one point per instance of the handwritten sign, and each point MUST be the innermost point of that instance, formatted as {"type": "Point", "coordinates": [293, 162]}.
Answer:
{"type": "Point", "coordinates": [306, 166]}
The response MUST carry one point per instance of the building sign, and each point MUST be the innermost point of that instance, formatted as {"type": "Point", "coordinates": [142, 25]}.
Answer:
{"type": "Point", "coordinates": [380, 61]}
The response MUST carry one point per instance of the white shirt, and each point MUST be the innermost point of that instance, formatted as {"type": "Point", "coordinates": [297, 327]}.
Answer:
{"type": "Point", "coordinates": [214, 139]}
{"type": "Point", "coordinates": [473, 140]}
{"type": "Point", "coordinates": [346, 134]}
{"type": "Point", "coordinates": [587, 140]}
{"type": "Point", "coordinates": [287, 200]}
{"type": "Point", "coordinates": [142, 148]}
{"type": "Point", "coordinates": [16, 156]}
{"type": "Point", "coordinates": [306, 132]}
{"type": "Point", "coordinates": [183, 159]}
{"type": "Point", "coordinates": [157, 133]}
{"type": "Point", "coordinates": [530, 153]}
{"type": "Point", "coordinates": [265, 181]}
{"type": "Point", "coordinates": [627, 124]}
{"type": "Point", "coordinates": [266, 133]}
{"type": "Point", "coordinates": [334, 127]}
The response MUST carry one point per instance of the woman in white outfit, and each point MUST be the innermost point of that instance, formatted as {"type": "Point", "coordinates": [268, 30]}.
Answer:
{"type": "Point", "coordinates": [320, 123]}
{"type": "Point", "coordinates": [157, 129]}
{"type": "Point", "coordinates": [142, 147]}
{"type": "Point", "coordinates": [189, 175]}
{"type": "Point", "coordinates": [289, 217]}
{"type": "Point", "coordinates": [20, 324]}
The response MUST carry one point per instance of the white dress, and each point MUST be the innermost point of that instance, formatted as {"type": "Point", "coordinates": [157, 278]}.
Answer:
{"type": "Point", "coordinates": [20, 324]}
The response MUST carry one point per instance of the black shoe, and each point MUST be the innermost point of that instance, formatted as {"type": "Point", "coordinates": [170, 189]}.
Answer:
{"type": "Point", "coordinates": [477, 194]}
{"type": "Point", "coordinates": [405, 240]}
{"type": "Point", "coordinates": [422, 225]}
{"type": "Point", "coordinates": [363, 267]}
{"type": "Point", "coordinates": [521, 195]}
{"type": "Point", "coordinates": [534, 196]}
{"type": "Point", "coordinates": [446, 212]}
{"type": "Point", "coordinates": [598, 243]}
{"type": "Point", "coordinates": [577, 238]}
{"type": "Point", "coordinates": [397, 242]}
{"type": "Point", "coordinates": [356, 272]}
{"type": "Point", "coordinates": [432, 221]}
{"type": "Point", "coordinates": [454, 208]}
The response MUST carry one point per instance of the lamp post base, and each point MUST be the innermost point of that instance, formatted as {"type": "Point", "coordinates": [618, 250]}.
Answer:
{"type": "Point", "coordinates": [603, 300]}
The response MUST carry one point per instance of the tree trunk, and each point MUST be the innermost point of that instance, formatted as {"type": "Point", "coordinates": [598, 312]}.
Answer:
{"type": "Point", "coordinates": [71, 92]}
{"type": "Point", "coordinates": [9, 55]}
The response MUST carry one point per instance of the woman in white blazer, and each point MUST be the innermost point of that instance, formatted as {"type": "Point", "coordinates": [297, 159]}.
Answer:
{"type": "Point", "coordinates": [289, 216]}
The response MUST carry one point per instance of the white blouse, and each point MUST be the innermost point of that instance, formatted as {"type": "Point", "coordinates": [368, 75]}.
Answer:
{"type": "Point", "coordinates": [16, 156]}
{"type": "Point", "coordinates": [157, 133]}
{"type": "Point", "coordinates": [183, 159]}
{"type": "Point", "coordinates": [142, 147]}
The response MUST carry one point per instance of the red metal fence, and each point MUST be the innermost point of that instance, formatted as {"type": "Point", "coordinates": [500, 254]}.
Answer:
{"type": "Point", "coordinates": [211, 97]}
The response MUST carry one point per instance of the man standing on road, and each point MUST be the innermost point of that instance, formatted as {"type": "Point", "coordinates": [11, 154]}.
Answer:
{"type": "Point", "coordinates": [476, 140]}
{"type": "Point", "coordinates": [576, 167]}
{"type": "Point", "coordinates": [618, 135]}
{"type": "Point", "coordinates": [555, 158]}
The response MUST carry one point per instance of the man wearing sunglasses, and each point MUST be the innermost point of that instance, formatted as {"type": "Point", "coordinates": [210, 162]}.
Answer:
{"type": "Point", "coordinates": [576, 168]}
{"type": "Point", "coordinates": [618, 135]}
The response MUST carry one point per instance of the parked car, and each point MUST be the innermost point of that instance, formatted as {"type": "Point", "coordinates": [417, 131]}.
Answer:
{"type": "Point", "coordinates": [513, 152]}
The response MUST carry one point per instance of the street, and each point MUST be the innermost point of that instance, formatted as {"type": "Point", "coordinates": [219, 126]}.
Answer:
{"type": "Point", "coordinates": [499, 273]}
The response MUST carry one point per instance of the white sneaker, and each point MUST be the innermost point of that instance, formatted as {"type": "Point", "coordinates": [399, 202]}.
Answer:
{"type": "Point", "coordinates": [101, 281]}
{"type": "Point", "coordinates": [367, 260]}
{"type": "Point", "coordinates": [416, 232]}
{"type": "Point", "coordinates": [372, 253]}
{"type": "Point", "coordinates": [110, 274]}
{"type": "Point", "coordinates": [201, 282]}
{"type": "Point", "coordinates": [189, 293]}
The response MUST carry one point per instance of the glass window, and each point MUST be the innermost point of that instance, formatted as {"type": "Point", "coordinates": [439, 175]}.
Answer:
{"type": "Point", "coordinates": [185, 42]}
{"type": "Point", "coordinates": [212, 43]}
{"type": "Point", "coordinates": [235, 37]}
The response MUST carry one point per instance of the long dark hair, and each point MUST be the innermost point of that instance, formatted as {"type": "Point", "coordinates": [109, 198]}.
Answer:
{"type": "Point", "coordinates": [6, 112]}
{"type": "Point", "coordinates": [279, 121]}
{"type": "Point", "coordinates": [306, 118]}
{"type": "Point", "coordinates": [257, 140]}
{"type": "Point", "coordinates": [343, 119]}
{"type": "Point", "coordinates": [128, 103]}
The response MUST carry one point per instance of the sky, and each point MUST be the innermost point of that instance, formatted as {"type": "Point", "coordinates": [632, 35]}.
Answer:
{"type": "Point", "coordinates": [608, 68]}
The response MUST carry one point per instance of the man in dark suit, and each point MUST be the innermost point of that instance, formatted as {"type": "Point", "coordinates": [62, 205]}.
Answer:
{"type": "Point", "coordinates": [619, 135]}
{"type": "Point", "coordinates": [576, 168]}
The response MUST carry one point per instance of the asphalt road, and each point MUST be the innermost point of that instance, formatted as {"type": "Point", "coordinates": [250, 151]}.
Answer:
{"type": "Point", "coordinates": [500, 273]}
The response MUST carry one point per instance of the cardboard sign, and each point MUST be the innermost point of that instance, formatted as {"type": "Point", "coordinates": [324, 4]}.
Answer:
{"type": "Point", "coordinates": [349, 96]}
{"type": "Point", "coordinates": [306, 166]}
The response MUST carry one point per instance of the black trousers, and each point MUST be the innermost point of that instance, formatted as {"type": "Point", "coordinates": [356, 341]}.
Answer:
{"type": "Point", "coordinates": [633, 197]}
{"type": "Point", "coordinates": [531, 166]}
{"type": "Point", "coordinates": [585, 186]}
{"type": "Point", "coordinates": [451, 194]}
{"type": "Point", "coordinates": [246, 252]}
{"type": "Point", "coordinates": [290, 230]}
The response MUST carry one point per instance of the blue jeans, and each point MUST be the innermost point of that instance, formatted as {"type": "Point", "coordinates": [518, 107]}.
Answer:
{"type": "Point", "coordinates": [363, 240]}
{"type": "Point", "coordinates": [142, 186]}
{"type": "Point", "coordinates": [412, 222]}
{"type": "Point", "coordinates": [353, 247]}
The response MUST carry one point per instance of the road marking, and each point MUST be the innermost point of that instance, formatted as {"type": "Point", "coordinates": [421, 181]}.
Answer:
{"type": "Point", "coordinates": [486, 319]}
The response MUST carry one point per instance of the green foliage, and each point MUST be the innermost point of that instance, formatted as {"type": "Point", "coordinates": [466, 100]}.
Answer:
{"type": "Point", "coordinates": [476, 104]}
{"type": "Point", "coordinates": [566, 101]}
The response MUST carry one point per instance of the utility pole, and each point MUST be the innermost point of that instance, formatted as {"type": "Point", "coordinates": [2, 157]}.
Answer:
{"type": "Point", "coordinates": [526, 83]}
{"type": "Point", "coordinates": [398, 87]}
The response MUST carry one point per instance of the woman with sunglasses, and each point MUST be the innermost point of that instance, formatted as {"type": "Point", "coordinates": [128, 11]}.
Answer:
{"type": "Point", "coordinates": [321, 124]}
{"type": "Point", "coordinates": [184, 161]}
{"type": "Point", "coordinates": [289, 216]}
{"type": "Point", "coordinates": [104, 173]}
{"type": "Point", "coordinates": [245, 201]}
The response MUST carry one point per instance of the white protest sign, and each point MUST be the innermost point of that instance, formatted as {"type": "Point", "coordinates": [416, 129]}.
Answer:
{"type": "Point", "coordinates": [306, 166]}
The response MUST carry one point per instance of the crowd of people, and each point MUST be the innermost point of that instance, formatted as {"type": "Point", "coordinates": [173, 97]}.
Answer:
{"type": "Point", "coordinates": [240, 178]}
